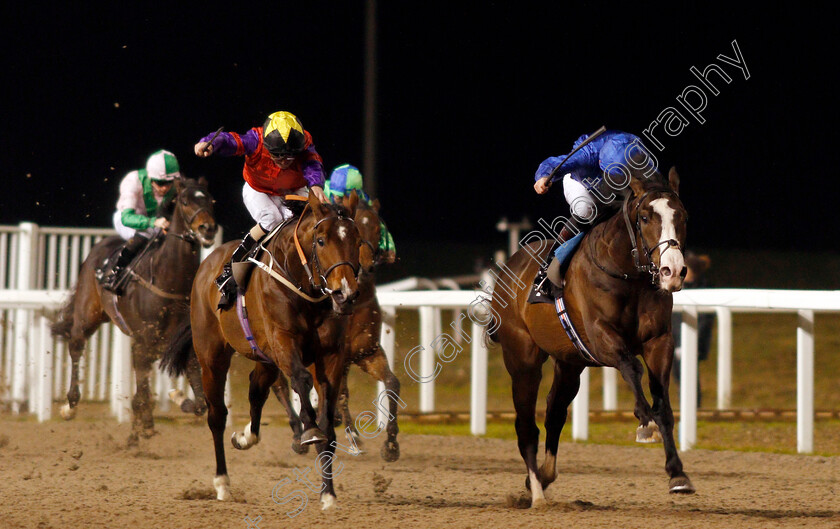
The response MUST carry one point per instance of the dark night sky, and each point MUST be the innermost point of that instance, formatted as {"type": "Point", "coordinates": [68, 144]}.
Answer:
{"type": "Point", "coordinates": [472, 97]}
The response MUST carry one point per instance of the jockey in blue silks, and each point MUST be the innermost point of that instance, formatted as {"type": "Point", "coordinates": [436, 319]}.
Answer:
{"type": "Point", "coordinates": [584, 186]}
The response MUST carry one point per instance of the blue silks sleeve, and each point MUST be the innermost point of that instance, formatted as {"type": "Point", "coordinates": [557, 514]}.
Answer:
{"type": "Point", "coordinates": [584, 158]}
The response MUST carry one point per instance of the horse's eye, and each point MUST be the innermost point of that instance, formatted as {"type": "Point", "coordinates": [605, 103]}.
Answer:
{"type": "Point", "coordinates": [644, 219]}
{"type": "Point", "coordinates": [320, 241]}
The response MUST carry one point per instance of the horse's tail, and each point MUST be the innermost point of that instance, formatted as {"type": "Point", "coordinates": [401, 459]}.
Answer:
{"type": "Point", "coordinates": [61, 327]}
{"type": "Point", "coordinates": [177, 354]}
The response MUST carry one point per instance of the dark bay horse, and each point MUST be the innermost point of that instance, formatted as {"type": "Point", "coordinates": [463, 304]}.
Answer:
{"type": "Point", "coordinates": [154, 302]}
{"type": "Point", "coordinates": [361, 342]}
{"type": "Point", "coordinates": [621, 308]}
{"type": "Point", "coordinates": [297, 307]}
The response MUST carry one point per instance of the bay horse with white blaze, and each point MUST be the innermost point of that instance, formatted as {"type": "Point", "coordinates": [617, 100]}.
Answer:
{"type": "Point", "coordinates": [154, 304]}
{"type": "Point", "coordinates": [361, 342]}
{"type": "Point", "coordinates": [297, 308]}
{"type": "Point", "coordinates": [619, 300]}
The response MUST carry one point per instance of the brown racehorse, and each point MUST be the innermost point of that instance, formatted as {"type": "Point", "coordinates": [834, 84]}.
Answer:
{"type": "Point", "coordinates": [361, 341]}
{"type": "Point", "coordinates": [154, 303]}
{"type": "Point", "coordinates": [621, 308]}
{"type": "Point", "coordinates": [293, 325]}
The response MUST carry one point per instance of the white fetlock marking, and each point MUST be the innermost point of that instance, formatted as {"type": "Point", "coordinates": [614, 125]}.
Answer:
{"type": "Point", "coordinates": [246, 439]}
{"type": "Point", "coordinates": [177, 396]}
{"type": "Point", "coordinates": [67, 412]}
{"type": "Point", "coordinates": [537, 495]}
{"type": "Point", "coordinates": [327, 502]}
{"type": "Point", "coordinates": [222, 486]}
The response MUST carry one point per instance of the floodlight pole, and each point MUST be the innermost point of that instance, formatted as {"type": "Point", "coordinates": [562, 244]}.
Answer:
{"type": "Point", "coordinates": [369, 133]}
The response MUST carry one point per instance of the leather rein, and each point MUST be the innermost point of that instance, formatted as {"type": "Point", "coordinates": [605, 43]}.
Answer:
{"type": "Point", "coordinates": [313, 270]}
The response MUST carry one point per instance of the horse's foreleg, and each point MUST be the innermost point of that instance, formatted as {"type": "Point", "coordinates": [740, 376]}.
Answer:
{"type": "Point", "coordinates": [330, 387]}
{"type": "Point", "coordinates": [631, 370]}
{"type": "Point", "coordinates": [376, 365]}
{"type": "Point", "coordinates": [262, 377]}
{"type": "Point", "coordinates": [343, 415]}
{"type": "Point", "coordinates": [301, 379]}
{"type": "Point", "coordinates": [281, 391]}
{"type": "Point", "coordinates": [563, 390]}
{"type": "Point", "coordinates": [658, 354]}
{"type": "Point", "coordinates": [142, 403]}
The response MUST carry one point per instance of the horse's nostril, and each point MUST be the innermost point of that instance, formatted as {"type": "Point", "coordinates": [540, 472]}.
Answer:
{"type": "Point", "coordinates": [665, 271]}
{"type": "Point", "coordinates": [683, 272]}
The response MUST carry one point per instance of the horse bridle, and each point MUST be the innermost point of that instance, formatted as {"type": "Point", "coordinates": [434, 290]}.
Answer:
{"type": "Point", "coordinates": [650, 268]}
{"type": "Point", "coordinates": [317, 262]}
{"type": "Point", "coordinates": [190, 235]}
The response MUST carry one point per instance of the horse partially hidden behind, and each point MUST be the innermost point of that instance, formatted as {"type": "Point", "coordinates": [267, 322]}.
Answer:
{"type": "Point", "coordinates": [154, 302]}
{"type": "Point", "coordinates": [361, 342]}
{"type": "Point", "coordinates": [621, 308]}
{"type": "Point", "coordinates": [293, 325]}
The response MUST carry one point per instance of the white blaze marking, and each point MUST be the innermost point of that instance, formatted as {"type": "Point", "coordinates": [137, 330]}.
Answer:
{"type": "Point", "coordinates": [673, 259]}
{"type": "Point", "coordinates": [342, 232]}
{"type": "Point", "coordinates": [199, 194]}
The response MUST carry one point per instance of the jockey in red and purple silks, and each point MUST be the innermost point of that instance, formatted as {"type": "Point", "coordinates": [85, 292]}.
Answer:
{"type": "Point", "coordinates": [280, 159]}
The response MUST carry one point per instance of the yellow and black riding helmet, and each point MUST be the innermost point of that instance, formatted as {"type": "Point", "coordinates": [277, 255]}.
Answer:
{"type": "Point", "coordinates": [283, 135]}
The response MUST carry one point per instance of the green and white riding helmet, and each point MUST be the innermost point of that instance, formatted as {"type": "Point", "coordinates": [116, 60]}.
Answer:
{"type": "Point", "coordinates": [163, 166]}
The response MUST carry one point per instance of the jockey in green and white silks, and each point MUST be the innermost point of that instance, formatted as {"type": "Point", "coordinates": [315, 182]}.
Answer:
{"type": "Point", "coordinates": [143, 191]}
{"type": "Point", "coordinates": [346, 178]}
{"type": "Point", "coordinates": [141, 194]}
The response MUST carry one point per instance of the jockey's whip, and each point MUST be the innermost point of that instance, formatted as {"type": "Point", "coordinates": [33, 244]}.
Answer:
{"type": "Point", "coordinates": [576, 149]}
{"type": "Point", "coordinates": [209, 143]}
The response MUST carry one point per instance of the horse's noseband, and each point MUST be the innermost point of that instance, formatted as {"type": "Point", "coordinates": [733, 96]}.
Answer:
{"type": "Point", "coordinates": [651, 267]}
{"type": "Point", "coordinates": [323, 274]}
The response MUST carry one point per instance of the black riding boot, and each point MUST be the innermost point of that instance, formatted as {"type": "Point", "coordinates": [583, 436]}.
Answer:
{"type": "Point", "coordinates": [546, 288]}
{"type": "Point", "coordinates": [112, 279]}
{"type": "Point", "coordinates": [225, 282]}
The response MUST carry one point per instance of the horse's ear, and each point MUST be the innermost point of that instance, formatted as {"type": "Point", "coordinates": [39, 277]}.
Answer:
{"type": "Point", "coordinates": [637, 186]}
{"type": "Point", "coordinates": [315, 206]}
{"type": "Point", "coordinates": [203, 181]}
{"type": "Point", "coordinates": [376, 205]}
{"type": "Point", "coordinates": [674, 180]}
{"type": "Point", "coordinates": [351, 203]}
{"type": "Point", "coordinates": [179, 185]}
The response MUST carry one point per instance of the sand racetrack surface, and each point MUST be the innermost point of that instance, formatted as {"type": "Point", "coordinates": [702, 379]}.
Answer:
{"type": "Point", "coordinates": [80, 474]}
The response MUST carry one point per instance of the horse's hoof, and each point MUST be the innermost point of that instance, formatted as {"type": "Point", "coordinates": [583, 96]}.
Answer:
{"type": "Point", "coordinates": [299, 448]}
{"type": "Point", "coordinates": [390, 451]}
{"type": "Point", "coordinates": [148, 433]}
{"type": "Point", "coordinates": [188, 406]}
{"type": "Point", "coordinates": [327, 502]}
{"type": "Point", "coordinates": [222, 486]}
{"type": "Point", "coordinates": [312, 435]}
{"type": "Point", "coordinates": [648, 434]}
{"type": "Point", "coordinates": [681, 485]}
{"type": "Point", "coordinates": [539, 503]}
{"type": "Point", "coordinates": [133, 440]}
{"type": "Point", "coordinates": [337, 420]}
{"type": "Point", "coordinates": [244, 440]}
{"type": "Point", "coordinates": [67, 413]}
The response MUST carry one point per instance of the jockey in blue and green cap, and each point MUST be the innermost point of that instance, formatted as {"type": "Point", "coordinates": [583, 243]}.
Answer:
{"type": "Point", "coordinates": [347, 178]}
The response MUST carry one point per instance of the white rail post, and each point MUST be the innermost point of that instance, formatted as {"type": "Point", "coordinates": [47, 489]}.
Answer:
{"type": "Point", "coordinates": [724, 374]}
{"type": "Point", "coordinates": [610, 376]}
{"type": "Point", "coordinates": [387, 341]}
{"type": "Point", "coordinates": [427, 358]}
{"type": "Point", "coordinates": [805, 382]}
{"type": "Point", "coordinates": [121, 376]}
{"type": "Point", "coordinates": [478, 390]}
{"type": "Point", "coordinates": [688, 379]}
{"type": "Point", "coordinates": [45, 369]}
{"type": "Point", "coordinates": [26, 242]}
{"type": "Point", "coordinates": [580, 409]}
